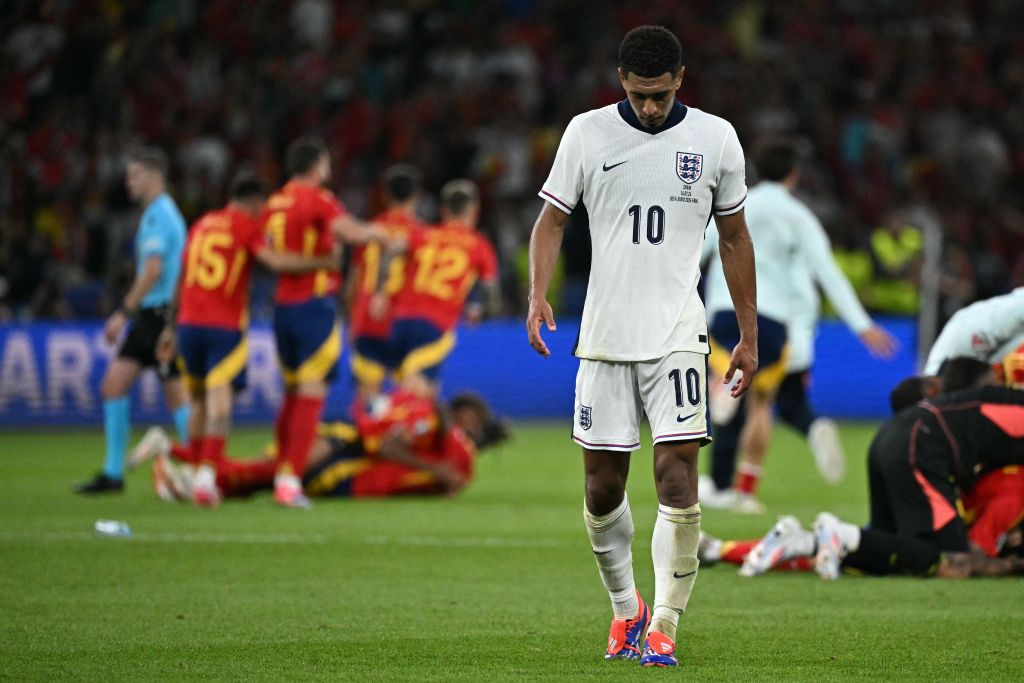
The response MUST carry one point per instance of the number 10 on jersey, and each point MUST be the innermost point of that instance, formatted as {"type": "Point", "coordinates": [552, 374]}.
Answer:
{"type": "Point", "coordinates": [655, 224]}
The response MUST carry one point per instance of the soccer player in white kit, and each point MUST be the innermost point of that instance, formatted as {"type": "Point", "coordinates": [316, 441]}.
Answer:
{"type": "Point", "coordinates": [794, 256]}
{"type": "Point", "coordinates": [986, 330]}
{"type": "Point", "coordinates": [650, 171]}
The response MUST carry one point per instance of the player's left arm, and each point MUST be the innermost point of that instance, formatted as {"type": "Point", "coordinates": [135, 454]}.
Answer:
{"type": "Point", "coordinates": [152, 268]}
{"type": "Point", "coordinates": [351, 230]}
{"type": "Point", "coordinates": [490, 290]}
{"type": "Point", "coordinates": [817, 253]}
{"type": "Point", "coordinates": [978, 564]}
{"type": "Point", "coordinates": [396, 447]}
{"type": "Point", "coordinates": [737, 253]}
{"type": "Point", "coordinates": [294, 263]}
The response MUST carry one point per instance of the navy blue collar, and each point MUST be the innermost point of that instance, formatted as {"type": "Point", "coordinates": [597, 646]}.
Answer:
{"type": "Point", "coordinates": [675, 116]}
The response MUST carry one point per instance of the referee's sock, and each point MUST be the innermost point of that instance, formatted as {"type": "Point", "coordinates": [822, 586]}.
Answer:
{"type": "Point", "coordinates": [180, 415]}
{"type": "Point", "coordinates": [116, 425]}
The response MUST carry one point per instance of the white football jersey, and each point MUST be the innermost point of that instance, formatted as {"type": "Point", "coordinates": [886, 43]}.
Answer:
{"type": "Point", "coordinates": [650, 195]}
{"type": "Point", "coordinates": [985, 330]}
{"type": "Point", "coordinates": [792, 255]}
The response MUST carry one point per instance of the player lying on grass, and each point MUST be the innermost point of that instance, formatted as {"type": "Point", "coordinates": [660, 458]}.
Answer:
{"type": "Point", "coordinates": [406, 445]}
{"type": "Point", "coordinates": [920, 464]}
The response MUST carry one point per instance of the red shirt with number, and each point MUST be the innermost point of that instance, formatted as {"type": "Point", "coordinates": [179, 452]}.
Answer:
{"type": "Point", "coordinates": [366, 260]}
{"type": "Point", "coordinates": [298, 219]}
{"type": "Point", "coordinates": [217, 265]}
{"type": "Point", "coordinates": [443, 265]}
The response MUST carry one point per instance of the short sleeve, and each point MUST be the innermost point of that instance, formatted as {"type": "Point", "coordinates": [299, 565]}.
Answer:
{"type": "Point", "coordinates": [256, 239]}
{"type": "Point", "coordinates": [731, 189]}
{"type": "Point", "coordinates": [330, 207]}
{"type": "Point", "coordinates": [565, 181]}
{"type": "Point", "coordinates": [154, 236]}
{"type": "Point", "coordinates": [487, 260]}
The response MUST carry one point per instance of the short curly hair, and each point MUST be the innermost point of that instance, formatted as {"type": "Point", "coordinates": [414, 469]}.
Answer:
{"type": "Point", "coordinates": [650, 51]}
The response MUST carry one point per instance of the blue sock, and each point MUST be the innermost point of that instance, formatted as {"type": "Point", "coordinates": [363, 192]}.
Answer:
{"type": "Point", "coordinates": [181, 421]}
{"type": "Point", "coordinates": [116, 425]}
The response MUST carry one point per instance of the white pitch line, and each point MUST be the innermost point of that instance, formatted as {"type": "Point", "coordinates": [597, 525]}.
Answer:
{"type": "Point", "coordinates": [57, 536]}
{"type": "Point", "coordinates": [464, 542]}
{"type": "Point", "coordinates": [277, 539]}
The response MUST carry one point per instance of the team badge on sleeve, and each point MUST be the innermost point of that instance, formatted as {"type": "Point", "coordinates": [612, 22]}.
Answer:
{"type": "Point", "coordinates": [585, 420]}
{"type": "Point", "coordinates": [689, 166]}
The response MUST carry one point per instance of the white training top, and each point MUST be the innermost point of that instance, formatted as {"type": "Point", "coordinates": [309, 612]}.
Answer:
{"type": "Point", "coordinates": [982, 330]}
{"type": "Point", "coordinates": [792, 255]}
{"type": "Point", "coordinates": [650, 195]}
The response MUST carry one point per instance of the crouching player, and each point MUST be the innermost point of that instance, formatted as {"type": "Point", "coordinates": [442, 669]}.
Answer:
{"type": "Point", "coordinates": [210, 338]}
{"type": "Point", "coordinates": [920, 465]}
{"type": "Point", "coordinates": [408, 445]}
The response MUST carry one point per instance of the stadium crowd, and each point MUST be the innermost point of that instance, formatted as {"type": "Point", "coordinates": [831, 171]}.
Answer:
{"type": "Point", "coordinates": [916, 106]}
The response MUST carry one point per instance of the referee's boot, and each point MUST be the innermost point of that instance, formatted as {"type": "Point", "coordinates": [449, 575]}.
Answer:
{"type": "Point", "coordinates": [101, 483]}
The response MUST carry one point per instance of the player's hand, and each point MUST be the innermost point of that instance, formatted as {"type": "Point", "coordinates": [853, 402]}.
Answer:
{"type": "Point", "coordinates": [114, 327]}
{"type": "Point", "coordinates": [474, 313]}
{"type": "Point", "coordinates": [879, 343]}
{"type": "Point", "coordinates": [540, 312]}
{"type": "Point", "coordinates": [448, 478]}
{"type": "Point", "coordinates": [744, 359]}
{"type": "Point", "coordinates": [378, 306]}
{"type": "Point", "coordinates": [166, 346]}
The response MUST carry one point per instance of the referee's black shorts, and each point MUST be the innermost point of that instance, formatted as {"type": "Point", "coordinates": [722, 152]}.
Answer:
{"type": "Point", "coordinates": [140, 345]}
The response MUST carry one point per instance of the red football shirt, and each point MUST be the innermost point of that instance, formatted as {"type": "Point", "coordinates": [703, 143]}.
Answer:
{"type": "Point", "coordinates": [443, 265]}
{"type": "Point", "coordinates": [417, 415]}
{"type": "Point", "coordinates": [994, 506]}
{"type": "Point", "coordinates": [419, 418]}
{"type": "Point", "coordinates": [216, 269]}
{"type": "Point", "coordinates": [366, 260]}
{"type": "Point", "coordinates": [298, 219]}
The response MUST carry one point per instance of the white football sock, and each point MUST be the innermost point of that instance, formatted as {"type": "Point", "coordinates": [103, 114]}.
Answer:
{"type": "Point", "coordinates": [611, 537]}
{"type": "Point", "coordinates": [674, 551]}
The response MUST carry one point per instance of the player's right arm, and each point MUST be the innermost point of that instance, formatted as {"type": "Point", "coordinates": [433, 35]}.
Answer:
{"type": "Point", "coordinates": [737, 252]}
{"type": "Point", "coordinates": [545, 243]}
{"type": "Point", "coordinates": [560, 193]}
{"type": "Point", "coordinates": [294, 263]}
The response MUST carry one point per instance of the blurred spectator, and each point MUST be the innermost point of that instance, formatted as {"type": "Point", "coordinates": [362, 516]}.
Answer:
{"type": "Point", "coordinates": [903, 105]}
{"type": "Point", "coordinates": [896, 252]}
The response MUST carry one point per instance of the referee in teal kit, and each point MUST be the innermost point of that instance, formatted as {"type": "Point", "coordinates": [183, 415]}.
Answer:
{"type": "Point", "coordinates": [158, 247]}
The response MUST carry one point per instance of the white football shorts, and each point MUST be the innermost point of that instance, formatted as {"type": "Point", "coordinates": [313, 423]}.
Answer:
{"type": "Point", "coordinates": [611, 397]}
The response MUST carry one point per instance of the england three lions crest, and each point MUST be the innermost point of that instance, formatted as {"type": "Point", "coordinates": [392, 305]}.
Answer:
{"type": "Point", "coordinates": [585, 420]}
{"type": "Point", "coordinates": [689, 166]}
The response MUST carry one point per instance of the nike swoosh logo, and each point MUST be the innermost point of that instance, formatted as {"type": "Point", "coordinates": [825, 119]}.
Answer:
{"type": "Point", "coordinates": [683, 576]}
{"type": "Point", "coordinates": [603, 552]}
{"type": "Point", "coordinates": [680, 418]}
{"type": "Point", "coordinates": [606, 167]}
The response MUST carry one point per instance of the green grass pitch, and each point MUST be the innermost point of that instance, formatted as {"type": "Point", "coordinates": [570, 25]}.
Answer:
{"type": "Point", "coordinates": [498, 583]}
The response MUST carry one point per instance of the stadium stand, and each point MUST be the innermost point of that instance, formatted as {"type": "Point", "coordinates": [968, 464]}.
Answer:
{"type": "Point", "coordinates": [916, 106]}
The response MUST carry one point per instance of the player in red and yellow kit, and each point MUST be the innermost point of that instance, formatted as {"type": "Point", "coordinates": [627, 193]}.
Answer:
{"type": "Point", "coordinates": [372, 357]}
{"type": "Point", "coordinates": [406, 445]}
{"type": "Point", "coordinates": [443, 265]}
{"type": "Point", "coordinates": [305, 218]}
{"type": "Point", "coordinates": [212, 319]}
